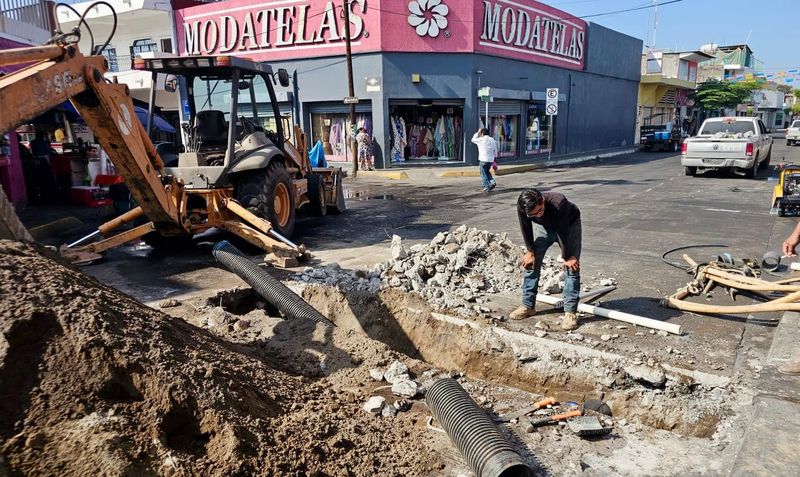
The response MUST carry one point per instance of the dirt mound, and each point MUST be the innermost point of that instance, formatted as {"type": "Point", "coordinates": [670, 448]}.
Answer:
{"type": "Point", "coordinates": [94, 383]}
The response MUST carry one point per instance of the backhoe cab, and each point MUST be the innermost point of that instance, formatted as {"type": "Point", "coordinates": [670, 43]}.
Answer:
{"type": "Point", "coordinates": [237, 170]}
{"type": "Point", "coordinates": [235, 138]}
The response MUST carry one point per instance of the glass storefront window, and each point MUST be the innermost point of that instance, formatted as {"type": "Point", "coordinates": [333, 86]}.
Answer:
{"type": "Point", "coordinates": [331, 129]}
{"type": "Point", "coordinates": [537, 131]}
{"type": "Point", "coordinates": [503, 129]}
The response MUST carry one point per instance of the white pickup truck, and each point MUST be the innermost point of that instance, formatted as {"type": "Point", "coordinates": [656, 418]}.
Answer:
{"type": "Point", "coordinates": [793, 133]}
{"type": "Point", "coordinates": [740, 143]}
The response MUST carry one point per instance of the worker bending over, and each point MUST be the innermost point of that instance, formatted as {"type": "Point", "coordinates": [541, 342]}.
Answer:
{"type": "Point", "coordinates": [547, 217]}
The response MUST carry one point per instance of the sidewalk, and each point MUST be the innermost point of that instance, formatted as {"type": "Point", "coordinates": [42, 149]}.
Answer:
{"type": "Point", "coordinates": [406, 170]}
{"type": "Point", "coordinates": [769, 447]}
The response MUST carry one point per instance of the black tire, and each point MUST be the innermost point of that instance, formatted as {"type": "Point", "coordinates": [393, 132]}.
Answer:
{"type": "Point", "coordinates": [168, 243]}
{"type": "Point", "coordinates": [690, 171]}
{"type": "Point", "coordinates": [340, 206]}
{"type": "Point", "coordinates": [766, 161]}
{"type": "Point", "coordinates": [256, 190]}
{"type": "Point", "coordinates": [316, 195]}
{"type": "Point", "coordinates": [752, 173]}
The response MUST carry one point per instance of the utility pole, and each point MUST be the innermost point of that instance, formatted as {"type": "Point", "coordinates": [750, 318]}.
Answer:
{"type": "Point", "coordinates": [350, 88]}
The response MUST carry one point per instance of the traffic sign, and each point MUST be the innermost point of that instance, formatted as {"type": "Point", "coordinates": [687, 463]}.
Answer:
{"type": "Point", "coordinates": [552, 102]}
{"type": "Point", "coordinates": [350, 100]}
{"type": "Point", "coordinates": [552, 109]}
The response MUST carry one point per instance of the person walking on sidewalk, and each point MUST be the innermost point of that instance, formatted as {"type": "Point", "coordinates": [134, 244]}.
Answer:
{"type": "Point", "coordinates": [544, 218]}
{"type": "Point", "coordinates": [487, 152]}
{"type": "Point", "coordinates": [789, 246]}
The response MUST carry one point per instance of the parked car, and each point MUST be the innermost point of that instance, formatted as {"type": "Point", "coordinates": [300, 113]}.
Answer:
{"type": "Point", "coordinates": [664, 137]}
{"type": "Point", "coordinates": [738, 143]}
{"type": "Point", "coordinates": [793, 133]}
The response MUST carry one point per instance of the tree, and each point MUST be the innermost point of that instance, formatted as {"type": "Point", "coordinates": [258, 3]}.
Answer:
{"type": "Point", "coordinates": [796, 109]}
{"type": "Point", "coordinates": [714, 95]}
{"type": "Point", "coordinates": [784, 88]}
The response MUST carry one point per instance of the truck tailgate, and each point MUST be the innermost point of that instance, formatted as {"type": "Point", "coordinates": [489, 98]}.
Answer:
{"type": "Point", "coordinates": [714, 148]}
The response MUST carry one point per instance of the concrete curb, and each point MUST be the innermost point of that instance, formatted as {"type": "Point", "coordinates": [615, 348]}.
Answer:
{"type": "Point", "coordinates": [394, 175]}
{"type": "Point", "coordinates": [504, 170]}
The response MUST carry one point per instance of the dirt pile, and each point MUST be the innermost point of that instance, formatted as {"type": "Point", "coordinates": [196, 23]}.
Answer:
{"type": "Point", "coordinates": [94, 383]}
{"type": "Point", "coordinates": [455, 271]}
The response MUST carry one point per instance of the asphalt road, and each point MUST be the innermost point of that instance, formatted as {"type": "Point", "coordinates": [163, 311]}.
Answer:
{"type": "Point", "coordinates": [633, 208]}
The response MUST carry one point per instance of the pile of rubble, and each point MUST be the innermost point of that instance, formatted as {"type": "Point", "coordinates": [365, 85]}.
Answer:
{"type": "Point", "coordinates": [456, 270]}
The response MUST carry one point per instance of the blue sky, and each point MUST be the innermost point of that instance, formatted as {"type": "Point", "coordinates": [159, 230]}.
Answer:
{"type": "Point", "coordinates": [773, 25]}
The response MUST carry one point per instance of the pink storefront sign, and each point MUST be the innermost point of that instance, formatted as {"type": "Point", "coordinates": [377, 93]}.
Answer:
{"type": "Point", "coordinates": [293, 29]}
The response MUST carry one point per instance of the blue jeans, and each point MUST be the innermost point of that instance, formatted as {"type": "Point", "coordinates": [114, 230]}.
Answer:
{"type": "Point", "coordinates": [486, 175]}
{"type": "Point", "coordinates": [542, 240]}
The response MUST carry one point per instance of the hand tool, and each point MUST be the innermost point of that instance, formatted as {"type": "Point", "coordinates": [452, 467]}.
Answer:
{"type": "Point", "coordinates": [587, 426]}
{"type": "Point", "coordinates": [555, 418]}
{"type": "Point", "coordinates": [548, 401]}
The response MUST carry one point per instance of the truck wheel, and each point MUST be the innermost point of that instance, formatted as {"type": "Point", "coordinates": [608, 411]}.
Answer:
{"type": "Point", "coordinates": [690, 171]}
{"type": "Point", "coordinates": [752, 173]}
{"type": "Point", "coordinates": [340, 206]}
{"type": "Point", "coordinates": [316, 195]}
{"type": "Point", "coordinates": [168, 243]}
{"type": "Point", "coordinates": [765, 164]}
{"type": "Point", "coordinates": [268, 194]}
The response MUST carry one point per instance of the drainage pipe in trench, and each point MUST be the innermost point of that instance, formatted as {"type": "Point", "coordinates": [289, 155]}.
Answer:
{"type": "Point", "coordinates": [275, 292]}
{"type": "Point", "coordinates": [487, 452]}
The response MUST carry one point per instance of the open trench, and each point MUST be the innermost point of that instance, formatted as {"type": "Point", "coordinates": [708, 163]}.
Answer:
{"type": "Point", "coordinates": [685, 402]}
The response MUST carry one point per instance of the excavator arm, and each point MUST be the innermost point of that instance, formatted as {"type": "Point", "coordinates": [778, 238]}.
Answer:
{"type": "Point", "coordinates": [60, 73]}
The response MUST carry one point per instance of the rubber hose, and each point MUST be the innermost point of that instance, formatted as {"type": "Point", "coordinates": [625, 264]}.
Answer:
{"type": "Point", "coordinates": [487, 452]}
{"type": "Point", "coordinates": [275, 292]}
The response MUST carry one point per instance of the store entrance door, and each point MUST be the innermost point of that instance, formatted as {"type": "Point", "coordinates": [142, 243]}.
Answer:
{"type": "Point", "coordinates": [426, 130]}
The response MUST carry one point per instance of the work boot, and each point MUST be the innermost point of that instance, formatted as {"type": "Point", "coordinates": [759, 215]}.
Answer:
{"type": "Point", "coordinates": [570, 321]}
{"type": "Point", "coordinates": [792, 367]}
{"type": "Point", "coordinates": [522, 312]}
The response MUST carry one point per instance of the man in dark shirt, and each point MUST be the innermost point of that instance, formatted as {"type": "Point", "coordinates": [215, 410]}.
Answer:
{"type": "Point", "coordinates": [544, 218]}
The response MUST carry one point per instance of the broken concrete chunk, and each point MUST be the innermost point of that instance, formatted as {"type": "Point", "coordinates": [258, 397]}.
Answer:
{"type": "Point", "coordinates": [395, 372]}
{"type": "Point", "coordinates": [388, 411]}
{"type": "Point", "coordinates": [646, 374]}
{"type": "Point", "coordinates": [398, 251]}
{"type": "Point", "coordinates": [451, 248]}
{"type": "Point", "coordinates": [605, 337]}
{"type": "Point", "coordinates": [169, 303]}
{"type": "Point", "coordinates": [405, 388]}
{"type": "Point", "coordinates": [438, 239]}
{"type": "Point", "coordinates": [241, 325]}
{"type": "Point", "coordinates": [540, 333]}
{"type": "Point", "coordinates": [374, 405]}
{"type": "Point", "coordinates": [218, 317]}
{"type": "Point", "coordinates": [376, 374]}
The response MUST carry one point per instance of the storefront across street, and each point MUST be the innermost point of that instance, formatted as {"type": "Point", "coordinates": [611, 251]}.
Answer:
{"type": "Point", "coordinates": [419, 67]}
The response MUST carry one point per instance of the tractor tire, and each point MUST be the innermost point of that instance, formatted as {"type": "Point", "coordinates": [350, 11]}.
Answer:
{"type": "Point", "coordinates": [690, 171]}
{"type": "Point", "coordinates": [268, 194]}
{"type": "Point", "coordinates": [340, 206]}
{"type": "Point", "coordinates": [316, 195]}
{"type": "Point", "coordinates": [168, 243]}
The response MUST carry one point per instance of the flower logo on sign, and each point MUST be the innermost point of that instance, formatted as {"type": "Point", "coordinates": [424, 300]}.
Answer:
{"type": "Point", "coordinates": [428, 17]}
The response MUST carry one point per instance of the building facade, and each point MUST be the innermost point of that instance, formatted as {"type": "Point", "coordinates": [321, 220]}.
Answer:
{"type": "Point", "coordinates": [418, 68]}
{"type": "Point", "coordinates": [668, 79]}
{"type": "Point", "coordinates": [22, 23]}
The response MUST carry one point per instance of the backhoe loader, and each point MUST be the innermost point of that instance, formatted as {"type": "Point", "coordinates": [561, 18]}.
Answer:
{"type": "Point", "coordinates": [237, 171]}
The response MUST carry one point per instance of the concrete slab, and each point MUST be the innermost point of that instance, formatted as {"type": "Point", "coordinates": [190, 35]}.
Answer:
{"type": "Point", "coordinates": [770, 444]}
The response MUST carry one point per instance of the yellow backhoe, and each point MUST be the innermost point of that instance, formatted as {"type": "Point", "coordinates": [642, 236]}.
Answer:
{"type": "Point", "coordinates": [237, 170]}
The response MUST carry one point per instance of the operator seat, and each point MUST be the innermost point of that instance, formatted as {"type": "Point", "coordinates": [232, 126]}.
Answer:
{"type": "Point", "coordinates": [211, 127]}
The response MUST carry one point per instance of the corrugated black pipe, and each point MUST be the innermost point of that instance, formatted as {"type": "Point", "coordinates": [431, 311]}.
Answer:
{"type": "Point", "coordinates": [487, 452]}
{"type": "Point", "coordinates": [275, 292]}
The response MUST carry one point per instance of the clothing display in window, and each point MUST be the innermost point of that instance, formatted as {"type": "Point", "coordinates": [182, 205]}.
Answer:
{"type": "Point", "coordinates": [429, 137]}
{"type": "Point", "coordinates": [399, 138]}
{"type": "Point", "coordinates": [333, 130]}
{"type": "Point", "coordinates": [503, 129]}
{"type": "Point", "coordinates": [537, 132]}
